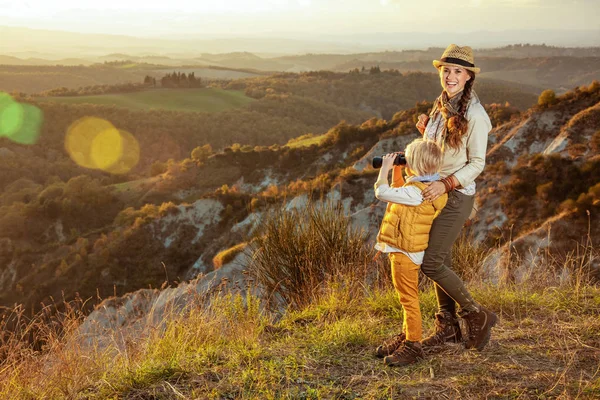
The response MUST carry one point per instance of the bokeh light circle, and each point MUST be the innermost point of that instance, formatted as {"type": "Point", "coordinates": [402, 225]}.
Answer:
{"type": "Point", "coordinates": [95, 143]}
{"type": "Point", "coordinates": [106, 149]}
{"type": "Point", "coordinates": [11, 119]}
{"type": "Point", "coordinates": [20, 122]}
{"type": "Point", "coordinates": [80, 139]}
{"type": "Point", "coordinates": [130, 154]}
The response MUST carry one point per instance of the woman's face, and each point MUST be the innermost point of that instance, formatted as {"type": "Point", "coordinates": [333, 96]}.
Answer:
{"type": "Point", "coordinates": [453, 79]}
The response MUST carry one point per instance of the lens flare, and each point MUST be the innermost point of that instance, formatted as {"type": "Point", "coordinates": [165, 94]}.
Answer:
{"type": "Point", "coordinates": [11, 119]}
{"type": "Point", "coordinates": [80, 140]}
{"type": "Point", "coordinates": [130, 154]}
{"type": "Point", "coordinates": [106, 149]}
{"type": "Point", "coordinates": [20, 122]}
{"type": "Point", "coordinates": [95, 143]}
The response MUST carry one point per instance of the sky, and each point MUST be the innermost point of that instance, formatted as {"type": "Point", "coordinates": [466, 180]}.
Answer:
{"type": "Point", "coordinates": [297, 17]}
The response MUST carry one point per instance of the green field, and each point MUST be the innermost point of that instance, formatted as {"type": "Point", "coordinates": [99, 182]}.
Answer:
{"type": "Point", "coordinates": [199, 100]}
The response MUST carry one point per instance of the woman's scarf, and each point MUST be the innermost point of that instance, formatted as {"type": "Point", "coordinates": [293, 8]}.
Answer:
{"type": "Point", "coordinates": [448, 106]}
{"type": "Point", "coordinates": [443, 109]}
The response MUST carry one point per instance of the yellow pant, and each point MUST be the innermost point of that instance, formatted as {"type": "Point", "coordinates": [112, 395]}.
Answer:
{"type": "Point", "coordinates": [405, 275]}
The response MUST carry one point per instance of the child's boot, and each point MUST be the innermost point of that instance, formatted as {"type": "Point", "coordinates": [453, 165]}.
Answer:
{"type": "Point", "coordinates": [390, 345]}
{"type": "Point", "coordinates": [408, 353]}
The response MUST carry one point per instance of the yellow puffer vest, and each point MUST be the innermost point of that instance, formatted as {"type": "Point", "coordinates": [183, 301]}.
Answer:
{"type": "Point", "coordinates": [407, 227]}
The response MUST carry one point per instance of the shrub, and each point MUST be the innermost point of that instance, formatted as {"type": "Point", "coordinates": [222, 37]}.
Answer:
{"type": "Point", "coordinates": [226, 256]}
{"type": "Point", "coordinates": [297, 252]}
{"type": "Point", "coordinates": [158, 168]}
{"type": "Point", "coordinates": [201, 153]}
{"type": "Point", "coordinates": [547, 98]}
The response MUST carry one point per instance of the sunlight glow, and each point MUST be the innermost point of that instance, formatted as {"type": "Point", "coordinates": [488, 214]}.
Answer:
{"type": "Point", "coordinates": [12, 118]}
{"type": "Point", "coordinates": [106, 149]}
{"type": "Point", "coordinates": [130, 154]}
{"type": "Point", "coordinates": [296, 17]}
{"type": "Point", "coordinates": [20, 122]}
{"type": "Point", "coordinates": [95, 143]}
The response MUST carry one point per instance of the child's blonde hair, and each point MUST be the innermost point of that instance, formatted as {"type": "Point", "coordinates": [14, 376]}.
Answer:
{"type": "Point", "coordinates": [424, 157]}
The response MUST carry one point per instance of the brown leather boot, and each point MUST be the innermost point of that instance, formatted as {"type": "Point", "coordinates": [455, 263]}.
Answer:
{"type": "Point", "coordinates": [390, 345]}
{"type": "Point", "coordinates": [480, 324]}
{"type": "Point", "coordinates": [446, 330]}
{"type": "Point", "coordinates": [408, 353]}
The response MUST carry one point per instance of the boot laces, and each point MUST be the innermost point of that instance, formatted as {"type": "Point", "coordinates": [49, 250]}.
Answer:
{"type": "Point", "coordinates": [474, 327]}
{"type": "Point", "coordinates": [395, 341]}
{"type": "Point", "coordinates": [440, 329]}
{"type": "Point", "coordinates": [406, 350]}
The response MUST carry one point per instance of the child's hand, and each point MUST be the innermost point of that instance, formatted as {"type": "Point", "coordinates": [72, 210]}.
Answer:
{"type": "Point", "coordinates": [388, 161]}
{"type": "Point", "coordinates": [422, 123]}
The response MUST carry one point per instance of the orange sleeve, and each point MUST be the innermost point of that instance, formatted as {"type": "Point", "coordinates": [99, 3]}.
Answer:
{"type": "Point", "coordinates": [397, 178]}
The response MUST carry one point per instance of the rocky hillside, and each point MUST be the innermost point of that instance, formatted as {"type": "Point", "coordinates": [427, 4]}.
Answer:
{"type": "Point", "coordinates": [551, 149]}
{"type": "Point", "coordinates": [542, 171]}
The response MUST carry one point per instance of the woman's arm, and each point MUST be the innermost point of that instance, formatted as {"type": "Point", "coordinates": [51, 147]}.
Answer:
{"type": "Point", "coordinates": [477, 139]}
{"type": "Point", "coordinates": [422, 123]}
{"type": "Point", "coordinates": [476, 147]}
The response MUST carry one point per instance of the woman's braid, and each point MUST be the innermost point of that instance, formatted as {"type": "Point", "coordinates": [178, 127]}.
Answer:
{"type": "Point", "coordinates": [458, 125]}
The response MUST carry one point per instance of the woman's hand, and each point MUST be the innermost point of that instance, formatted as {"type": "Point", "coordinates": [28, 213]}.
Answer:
{"type": "Point", "coordinates": [422, 123]}
{"type": "Point", "coordinates": [433, 191]}
{"type": "Point", "coordinates": [388, 161]}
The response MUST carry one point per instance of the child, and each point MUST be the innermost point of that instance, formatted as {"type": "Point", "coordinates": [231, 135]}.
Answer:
{"type": "Point", "coordinates": [404, 235]}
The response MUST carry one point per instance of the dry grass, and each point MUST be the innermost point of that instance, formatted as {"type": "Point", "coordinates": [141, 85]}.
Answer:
{"type": "Point", "coordinates": [299, 252]}
{"type": "Point", "coordinates": [228, 255]}
{"type": "Point", "coordinates": [547, 345]}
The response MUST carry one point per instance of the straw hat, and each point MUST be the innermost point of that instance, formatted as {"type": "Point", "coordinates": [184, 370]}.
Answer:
{"type": "Point", "coordinates": [457, 56]}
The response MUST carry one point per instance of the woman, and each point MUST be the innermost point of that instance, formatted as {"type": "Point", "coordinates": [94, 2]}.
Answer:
{"type": "Point", "coordinates": [460, 125]}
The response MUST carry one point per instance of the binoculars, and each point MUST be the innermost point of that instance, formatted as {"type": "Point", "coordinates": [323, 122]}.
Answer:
{"type": "Point", "coordinates": [399, 160]}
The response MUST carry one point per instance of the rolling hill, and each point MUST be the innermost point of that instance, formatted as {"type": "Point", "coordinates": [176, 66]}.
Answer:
{"type": "Point", "coordinates": [90, 237]}
{"type": "Point", "coordinates": [190, 100]}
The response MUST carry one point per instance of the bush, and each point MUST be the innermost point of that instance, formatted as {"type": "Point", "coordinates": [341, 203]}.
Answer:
{"type": "Point", "coordinates": [297, 252]}
{"type": "Point", "coordinates": [547, 98]}
{"type": "Point", "coordinates": [201, 153]}
{"type": "Point", "coordinates": [228, 255]}
{"type": "Point", "coordinates": [158, 168]}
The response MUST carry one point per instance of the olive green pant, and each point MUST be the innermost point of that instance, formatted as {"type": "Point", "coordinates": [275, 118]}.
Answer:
{"type": "Point", "coordinates": [437, 262]}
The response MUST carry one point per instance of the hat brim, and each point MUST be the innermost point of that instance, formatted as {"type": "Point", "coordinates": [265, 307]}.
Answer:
{"type": "Point", "coordinates": [438, 63]}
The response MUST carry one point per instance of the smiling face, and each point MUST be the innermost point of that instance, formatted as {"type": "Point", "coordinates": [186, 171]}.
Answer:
{"type": "Point", "coordinates": [453, 79]}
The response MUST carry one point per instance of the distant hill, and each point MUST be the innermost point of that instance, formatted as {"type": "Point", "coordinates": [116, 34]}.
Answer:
{"type": "Point", "coordinates": [70, 44]}
{"type": "Point", "coordinates": [421, 59]}
{"type": "Point", "coordinates": [195, 100]}
{"type": "Point", "coordinates": [382, 94]}
{"type": "Point", "coordinates": [38, 78]}
{"type": "Point", "coordinates": [9, 60]}
{"type": "Point", "coordinates": [534, 68]}
{"type": "Point", "coordinates": [212, 72]}
{"type": "Point", "coordinates": [560, 73]}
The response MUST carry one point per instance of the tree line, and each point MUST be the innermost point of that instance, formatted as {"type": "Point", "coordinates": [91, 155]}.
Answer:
{"type": "Point", "coordinates": [175, 80]}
